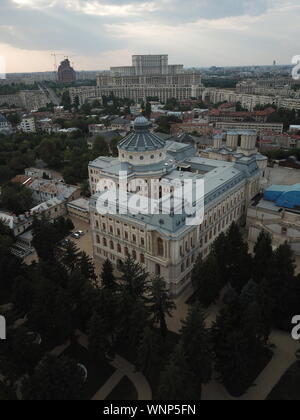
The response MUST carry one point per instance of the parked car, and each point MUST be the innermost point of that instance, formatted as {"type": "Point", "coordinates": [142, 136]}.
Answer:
{"type": "Point", "coordinates": [75, 235]}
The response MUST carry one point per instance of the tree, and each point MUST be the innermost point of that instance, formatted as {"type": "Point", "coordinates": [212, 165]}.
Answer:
{"type": "Point", "coordinates": [238, 349]}
{"type": "Point", "coordinates": [107, 276]}
{"type": "Point", "coordinates": [148, 352]}
{"type": "Point", "coordinates": [160, 303]}
{"type": "Point", "coordinates": [239, 261]}
{"type": "Point", "coordinates": [51, 314]}
{"type": "Point", "coordinates": [197, 345]}
{"type": "Point", "coordinates": [206, 279]}
{"type": "Point", "coordinates": [26, 353]}
{"type": "Point", "coordinates": [16, 198]}
{"type": "Point", "coordinates": [263, 255]}
{"type": "Point", "coordinates": [5, 173]}
{"type": "Point", "coordinates": [134, 278]}
{"type": "Point", "coordinates": [282, 285]}
{"type": "Point", "coordinates": [100, 346]}
{"type": "Point", "coordinates": [87, 268]}
{"type": "Point", "coordinates": [178, 382]}
{"type": "Point", "coordinates": [100, 147]}
{"type": "Point", "coordinates": [66, 100]}
{"type": "Point", "coordinates": [45, 238]}
{"type": "Point", "coordinates": [76, 102]}
{"type": "Point", "coordinates": [23, 294]}
{"type": "Point", "coordinates": [54, 379]}
{"type": "Point", "coordinates": [148, 110]}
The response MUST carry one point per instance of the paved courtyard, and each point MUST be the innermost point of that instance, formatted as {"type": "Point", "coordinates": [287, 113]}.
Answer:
{"type": "Point", "coordinates": [283, 176]}
{"type": "Point", "coordinates": [85, 242]}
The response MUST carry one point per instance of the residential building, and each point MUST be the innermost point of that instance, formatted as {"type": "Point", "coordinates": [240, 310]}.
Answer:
{"type": "Point", "coordinates": [44, 190]}
{"type": "Point", "coordinates": [85, 94]}
{"type": "Point", "coordinates": [28, 124]}
{"type": "Point", "coordinates": [259, 127]}
{"type": "Point", "coordinates": [203, 127]}
{"type": "Point", "coordinates": [26, 99]}
{"type": "Point", "coordinates": [248, 101]}
{"type": "Point", "coordinates": [165, 243]}
{"type": "Point", "coordinates": [5, 126]}
{"type": "Point", "coordinates": [121, 124]}
{"type": "Point", "coordinates": [79, 209]}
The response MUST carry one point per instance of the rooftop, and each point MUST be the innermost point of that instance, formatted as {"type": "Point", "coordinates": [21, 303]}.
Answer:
{"type": "Point", "coordinates": [141, 139]}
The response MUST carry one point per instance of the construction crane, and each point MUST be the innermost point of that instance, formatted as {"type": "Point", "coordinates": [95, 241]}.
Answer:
{"type": "Point", "coordinates": [70, 56]}
{"type": "Point", "coordinates": [55, 60]}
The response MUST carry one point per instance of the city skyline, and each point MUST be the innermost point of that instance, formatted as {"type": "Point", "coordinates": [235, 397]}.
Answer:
{"type": "Point", "coordinates": [99, 34]}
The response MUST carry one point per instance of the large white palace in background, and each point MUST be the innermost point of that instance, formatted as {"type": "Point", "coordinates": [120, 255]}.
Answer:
{"type": "Point", "coordinates": [164, 243]}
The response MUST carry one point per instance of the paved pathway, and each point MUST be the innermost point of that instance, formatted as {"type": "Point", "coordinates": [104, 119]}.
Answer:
{"type": "Point", "coordinates": [109, 386]}
{"type": "Point", "coordinates": [123, 368]}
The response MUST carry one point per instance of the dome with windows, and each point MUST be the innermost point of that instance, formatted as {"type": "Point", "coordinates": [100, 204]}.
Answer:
{"type": "Point", "coordinates": [141, 139]}
{"type": "Point", "coordinates": [141, 146]}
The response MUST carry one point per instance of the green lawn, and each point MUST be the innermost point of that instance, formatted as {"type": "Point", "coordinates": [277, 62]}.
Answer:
{"type": "Point", "coordinates": [98, 373]}
{"type": "Point", "coordinates": [288, 388]}
{"type": "Point", "coordinates": [124, 391]}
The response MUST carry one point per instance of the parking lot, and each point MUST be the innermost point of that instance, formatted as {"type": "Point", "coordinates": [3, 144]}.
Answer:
{"type": "Point", "coordinates": [85, 243]}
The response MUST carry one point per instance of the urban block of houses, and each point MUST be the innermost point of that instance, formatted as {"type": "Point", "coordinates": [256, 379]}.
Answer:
{"type": "Point", "coordinates": [44, 190]}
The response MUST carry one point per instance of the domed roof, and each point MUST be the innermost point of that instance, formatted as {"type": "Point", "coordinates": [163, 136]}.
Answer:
{"type": "Point", "coordinates": [141, 139]}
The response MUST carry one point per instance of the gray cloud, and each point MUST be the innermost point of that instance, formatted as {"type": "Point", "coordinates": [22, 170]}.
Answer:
{"type": "Point", "coordinates": [94, 27]}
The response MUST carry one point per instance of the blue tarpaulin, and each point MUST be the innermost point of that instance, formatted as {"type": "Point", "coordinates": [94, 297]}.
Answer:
{"type": "Point", "coordinates": [287, 196]}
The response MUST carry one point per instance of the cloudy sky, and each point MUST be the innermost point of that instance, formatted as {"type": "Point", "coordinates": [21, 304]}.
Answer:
{"type": "Point", "coordinates": [101, 33]}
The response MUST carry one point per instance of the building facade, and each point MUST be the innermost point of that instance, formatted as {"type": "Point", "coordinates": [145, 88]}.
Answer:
{"type": "Point", "coordinates": [66, 73]}
{"type": "Point", "coordinates": [5, 126]}
{"type": "Point", "coordinates": [164, 242]}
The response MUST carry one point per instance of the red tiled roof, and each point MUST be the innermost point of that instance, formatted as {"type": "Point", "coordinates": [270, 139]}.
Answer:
{"type": "Point", "coordinates": [22, 179]}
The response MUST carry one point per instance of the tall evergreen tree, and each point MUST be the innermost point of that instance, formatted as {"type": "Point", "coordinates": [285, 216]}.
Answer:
{"type": "Point", "coordinates": [197, 344]}
{"type": "Point", "coordinates": [134, 278]}
{"type": "Point", "coordinates": [107, 276]}
{"type": "Point", "coordinates": [178, 382]}
{"type": "Point", "coordinates": [54, 379]}
{"type": "Point", "coordinates": [100, 346]}
{"type": "Point", "coordinates": [160, 303]}
{"type": "Point", "coordinates": [239, 261]}
{"type": "Point", "coordinates": [263, 254]}
{"type": "Point", "coordinates": [148, 353]}
{"type": "Point", "coordinates": [206, 279]}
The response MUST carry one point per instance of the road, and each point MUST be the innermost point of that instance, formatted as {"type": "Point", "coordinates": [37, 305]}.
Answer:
{"type": "Point", "coordinates": [50, 93]}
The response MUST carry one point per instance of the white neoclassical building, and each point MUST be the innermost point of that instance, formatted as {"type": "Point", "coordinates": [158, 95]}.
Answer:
{"type": "Point", "coordinates": [164, 242]}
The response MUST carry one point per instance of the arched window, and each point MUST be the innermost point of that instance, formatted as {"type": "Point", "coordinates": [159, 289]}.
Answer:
{"type": "Point", "coordinates": [134, 254]}
{"type": "Point", "coordinates": [119, 248]}
{"type": "Point", "coordinates": [98, 239]}
{"type": "Point", "coordinates": [112, 245]}
{"type": "Point", "coordinates": [142, 258]}
{"type": "Point", "coordinates": [160, 247]}
{"type": "Point", "coordinates": [126, 252]}
{"type": "Point", "coordinates": [104, 242]}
